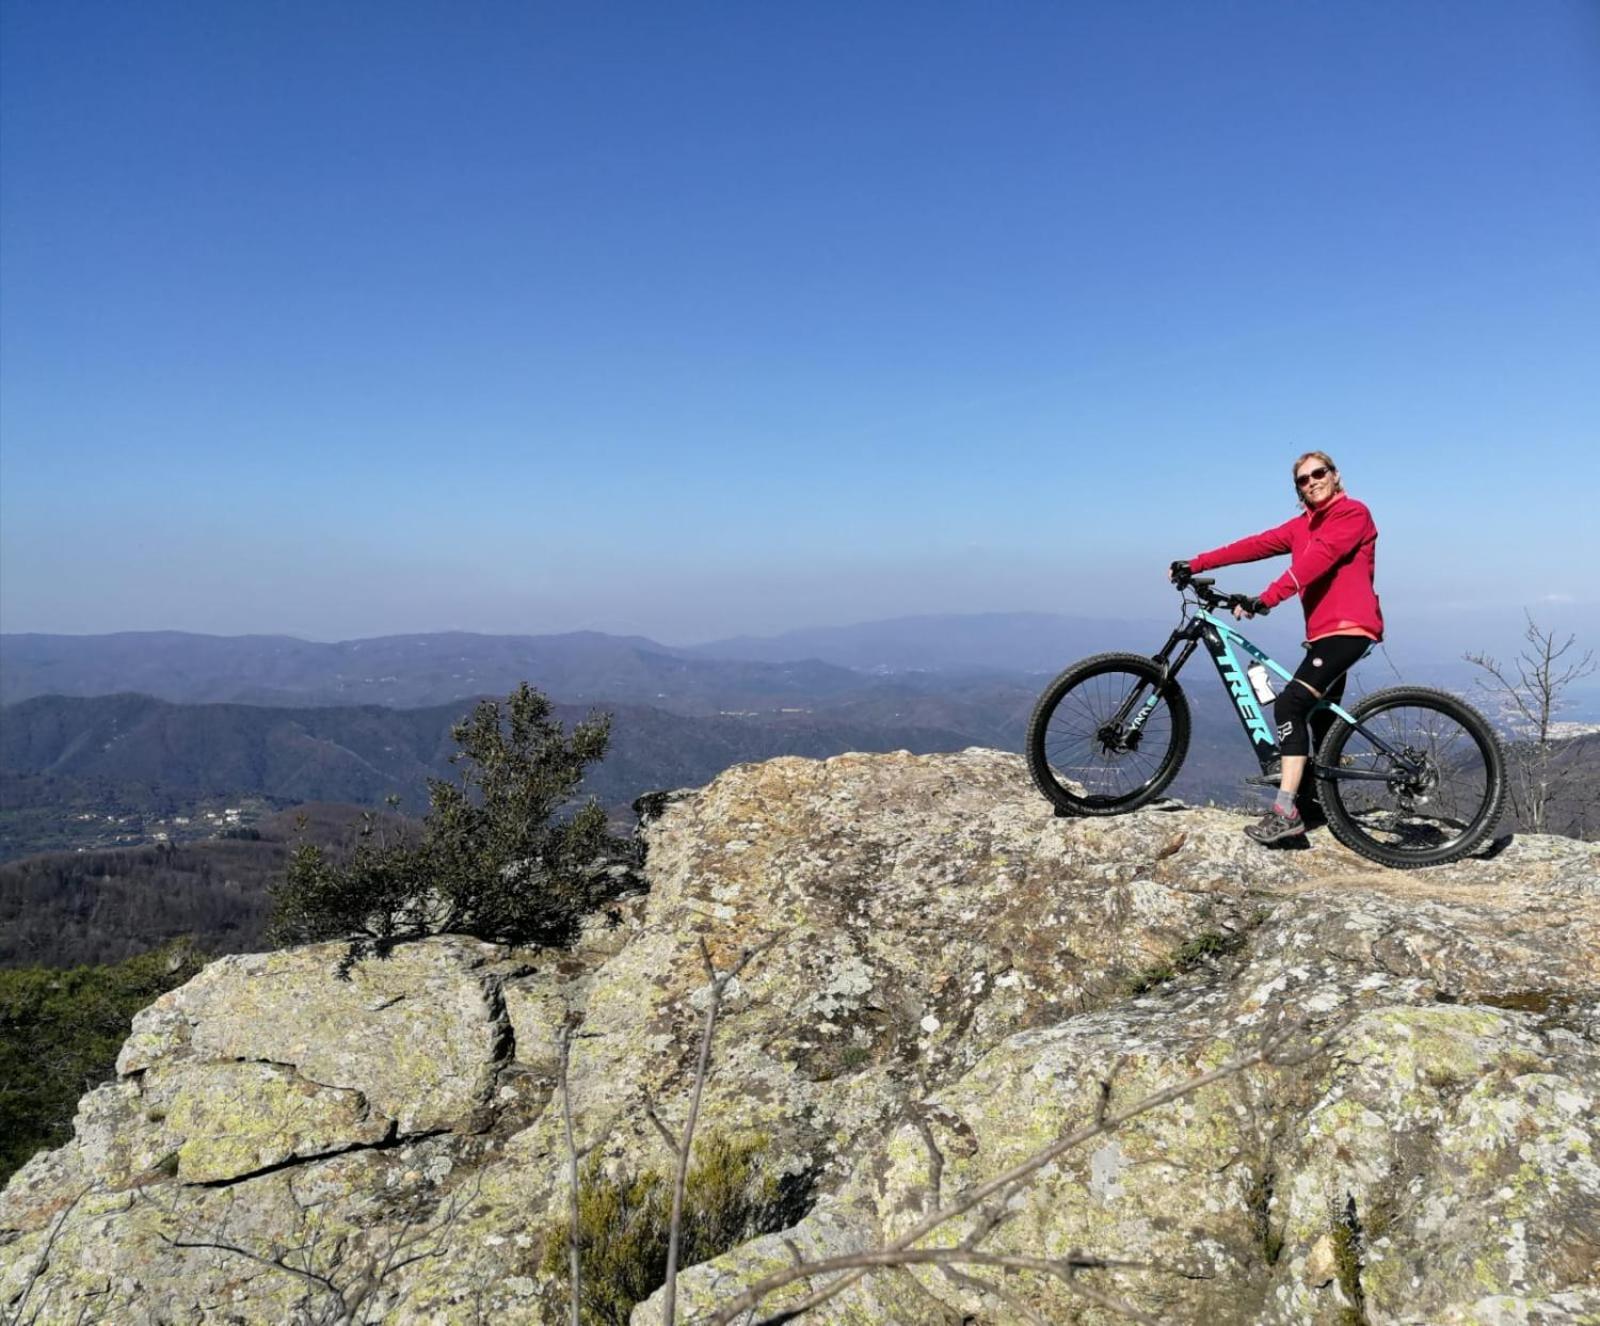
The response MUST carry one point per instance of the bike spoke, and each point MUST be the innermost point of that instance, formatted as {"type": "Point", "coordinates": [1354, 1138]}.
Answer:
{"type": "Point", "coordinates": [1415, 813]}
{"type": "Point", "coordinates": [1076, 748]}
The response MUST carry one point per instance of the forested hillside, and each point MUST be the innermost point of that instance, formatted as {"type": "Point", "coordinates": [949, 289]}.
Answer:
{"type": "Point", "coordinates": [59, 1034]}
{"type": "Point", "coordinates": [60, 909]}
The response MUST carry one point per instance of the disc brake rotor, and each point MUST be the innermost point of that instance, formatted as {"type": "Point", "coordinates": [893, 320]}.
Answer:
{"type": "Point", "coordinates": [1414, 788]}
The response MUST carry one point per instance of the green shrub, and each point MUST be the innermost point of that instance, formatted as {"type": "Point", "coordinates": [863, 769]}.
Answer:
{"type": "Point", "coordinates": [60, 1030]}
{"type": "Point", "coordinates": [623, 1224]}
{"type": "Point", "coordinates": [490, 859]}
{"type": "Point", "coordinates": [1191, 954]}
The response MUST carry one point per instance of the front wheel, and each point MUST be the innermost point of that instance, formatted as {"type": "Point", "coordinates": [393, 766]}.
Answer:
{"type": "Point", "coordinates": [1436, 798]}
{"type": "Point", "coordinates": [1107, 735]}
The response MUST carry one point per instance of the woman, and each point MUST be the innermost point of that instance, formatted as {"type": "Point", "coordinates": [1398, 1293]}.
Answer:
{"type": "Point", "coordinates": [1332, 545]}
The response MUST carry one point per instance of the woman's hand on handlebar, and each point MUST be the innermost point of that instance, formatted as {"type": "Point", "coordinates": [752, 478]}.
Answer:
{"type": "Point", "coordinates": [1249, 607]}
{"type": "Point", "coordinates": [1179, 573]}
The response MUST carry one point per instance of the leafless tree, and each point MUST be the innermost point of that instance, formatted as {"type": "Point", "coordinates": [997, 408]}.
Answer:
{"type": "Point", "coordinates": [1530, 692]}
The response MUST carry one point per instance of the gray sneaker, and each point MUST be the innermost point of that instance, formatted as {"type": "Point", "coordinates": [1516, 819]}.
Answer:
{"type": "Point", "coordinates": [1275, 828]}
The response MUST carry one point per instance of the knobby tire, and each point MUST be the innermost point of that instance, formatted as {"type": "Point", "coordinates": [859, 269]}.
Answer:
{"type": "Point", "coordinates": [1062, 756]}
{"type": "Point", "coordinates": [1379, 820]}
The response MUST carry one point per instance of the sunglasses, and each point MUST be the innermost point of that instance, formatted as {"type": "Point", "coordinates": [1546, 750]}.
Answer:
{"type": "Point", "coordinates": [1311, 476]}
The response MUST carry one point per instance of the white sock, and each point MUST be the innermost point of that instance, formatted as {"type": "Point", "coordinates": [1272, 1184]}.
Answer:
{"type": "Point", "coordinates": [1284, 804]}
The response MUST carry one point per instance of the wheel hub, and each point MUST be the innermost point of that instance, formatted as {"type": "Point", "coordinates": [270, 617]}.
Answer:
{"type": "Point", "coordinates": [1114, 741]}
{"type": "Point", "coordinates": [1416, 785]}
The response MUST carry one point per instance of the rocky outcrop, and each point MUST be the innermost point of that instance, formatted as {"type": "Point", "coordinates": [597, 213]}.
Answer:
{"type": "Point", "coordinates": [954, 978]}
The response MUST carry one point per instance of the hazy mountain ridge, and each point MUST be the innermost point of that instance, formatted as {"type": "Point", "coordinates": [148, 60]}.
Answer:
{"type": "Point", "coordinates": [795, 668]}
{"type": "Point", "coordinates": [409, 671]}
{"type": "Point", "coordinates": [1028, 642]}
{"type": "Point", "coordinates": [423, 669]}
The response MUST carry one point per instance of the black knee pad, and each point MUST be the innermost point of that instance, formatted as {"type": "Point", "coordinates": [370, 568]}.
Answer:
{"type": "Point", "coordinates": [1292, 713]}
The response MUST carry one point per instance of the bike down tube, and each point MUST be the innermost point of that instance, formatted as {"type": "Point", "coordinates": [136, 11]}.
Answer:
{"type": "Point", "coordinates": [1257, 730]}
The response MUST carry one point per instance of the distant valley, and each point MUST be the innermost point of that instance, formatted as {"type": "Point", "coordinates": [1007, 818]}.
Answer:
{"type": "Point", "coordinates": [65, 908]}
{"type": "Point", "coordinates": [397, 671]}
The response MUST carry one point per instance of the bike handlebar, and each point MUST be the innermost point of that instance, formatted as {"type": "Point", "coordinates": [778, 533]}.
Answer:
{"type": "Point", "coordinates": [1204, 591]}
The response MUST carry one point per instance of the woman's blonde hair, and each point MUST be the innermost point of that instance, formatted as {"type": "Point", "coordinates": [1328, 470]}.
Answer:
{"type": "Point", "coordinates": [1324, 458]}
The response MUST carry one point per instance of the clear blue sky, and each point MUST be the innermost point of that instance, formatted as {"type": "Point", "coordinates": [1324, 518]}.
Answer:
{"type": "Point", "coordinates": [690, 319]}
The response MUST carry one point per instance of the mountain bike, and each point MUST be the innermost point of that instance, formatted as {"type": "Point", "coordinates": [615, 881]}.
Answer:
{"type": "Point", "coordinates": [1406, 776]}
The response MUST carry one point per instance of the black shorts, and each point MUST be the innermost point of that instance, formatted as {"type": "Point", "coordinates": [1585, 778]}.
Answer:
{"type": "Point", "coordinates": [1328, 659]}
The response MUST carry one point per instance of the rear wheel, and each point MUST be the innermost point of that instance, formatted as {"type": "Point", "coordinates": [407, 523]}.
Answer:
{"type": "Point", "coordinates": [1107, 735]}
{"type": "Point", "coordinates": [1435, 804]}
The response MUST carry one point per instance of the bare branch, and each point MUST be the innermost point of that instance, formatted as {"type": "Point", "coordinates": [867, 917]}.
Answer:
{"type": "Point", "coordinates": [854, 1266]}
{"type": "Point", "coordinates": [662, 1130]}
{"type": "Point", "coordinates": [1111, 1304]}
{"type": "Point", "coordinates": [718, 987]}
{"type": "Point", "coordinates": [1510, 693]}
{"type": "Point", "coordinates": [349, 1281]}
{"type": "Point", "coordinates": [1063, 1268]}
{"type": "Point", "coordinates": [935, 1156]}
{"type": "Point", "coordinates": [990, 1218]}
{"type": "Point", "coordinates": [999, 1291]}
{"type": "Point", "coordinates": [1104, 1103]}
{"type": "Point", "coordinates": [412, 1231]}
{"type": "Point", "coordinates": [1530, 695]}
{"type": "Point", "coordinates": [574, 1261]}
{"type": "Point", "coordinates": [277, 1262]}
{"type": "Point", "coordinates": [43, 1260]}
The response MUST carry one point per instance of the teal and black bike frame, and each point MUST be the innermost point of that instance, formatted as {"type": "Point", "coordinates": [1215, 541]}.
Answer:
{"type": "Point", "coordinates": [1220, 637]}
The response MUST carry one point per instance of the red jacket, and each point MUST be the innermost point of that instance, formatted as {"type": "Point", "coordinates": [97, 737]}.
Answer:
{"type": "Point", "coordinates": [1331, 568]}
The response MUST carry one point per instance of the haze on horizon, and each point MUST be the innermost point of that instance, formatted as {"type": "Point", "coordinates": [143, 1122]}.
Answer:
{"type": "Point", "coordinates": [339, 322]}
